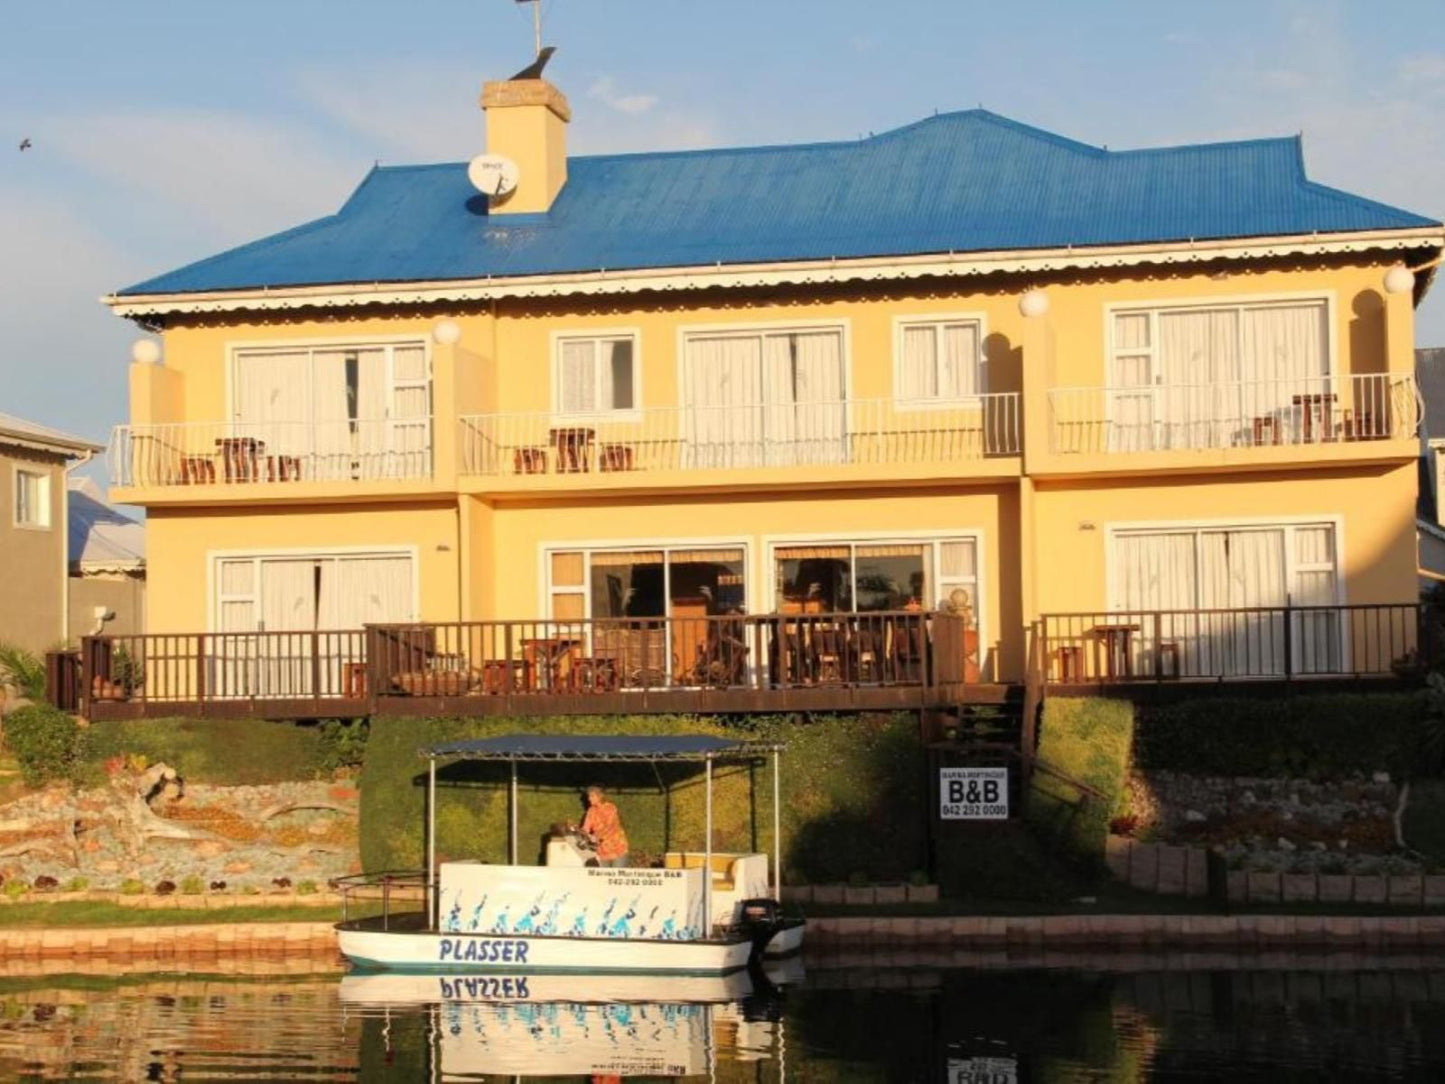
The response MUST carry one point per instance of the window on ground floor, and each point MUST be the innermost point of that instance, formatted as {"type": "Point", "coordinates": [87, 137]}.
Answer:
{"type": "Point", "coordinates": [873, 576]}
{"type": "Point", "coordinates": [1221, 592]}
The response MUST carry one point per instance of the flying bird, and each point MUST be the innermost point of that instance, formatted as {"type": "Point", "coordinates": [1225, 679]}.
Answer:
{"type": "Point", "coordinates": [25, 144]}
{"type": "Point", "coordinates": [534, 69]}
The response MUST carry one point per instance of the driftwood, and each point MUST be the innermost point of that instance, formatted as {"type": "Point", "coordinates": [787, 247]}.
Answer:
{"type": "Point", "coordinates": [292, 807]}
{"type": "Point", "coordinates": [141, 820]}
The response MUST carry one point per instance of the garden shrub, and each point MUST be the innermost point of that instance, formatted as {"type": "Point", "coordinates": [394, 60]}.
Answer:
{"type": "Point", "coordinates": [227, 752]}
{"type": "Point", "coordinates": [1089, 740]}
{"type": "Point", "coordinates": [853, 794]}
{"type": "Point", "coordinates": [1316, 736]}
{"type": "Point", "coordinates": [45, 742]}
{"type": "Point", "coordinates": [343, 744]}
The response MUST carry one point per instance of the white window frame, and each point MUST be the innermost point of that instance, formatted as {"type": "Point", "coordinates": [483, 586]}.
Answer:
{"type": "Point", "coordinates": [933, 538]}
{"type": "Point", "coordinates": [1292, 565]}
{"type": "Point", "coordinates": [938, 322]}
{"type": "Point", "coordinates": [214, 598]}
{"type": "Point", "coordinates": [761, 330]}
{"type": "Point", "coordinates": [545, 550]}
{"type": "Point", "coordinates": [1236, 303]}
{"type": "Point", "coordinates": [237, 351]}
{"type": "Point", "coordinates": [596, 337]}
{"type": "Point", "coordinates": [43, 519]}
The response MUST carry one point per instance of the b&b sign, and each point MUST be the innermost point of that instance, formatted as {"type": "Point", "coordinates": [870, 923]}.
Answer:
{"type": "Point", "coordinates": [973, 794]}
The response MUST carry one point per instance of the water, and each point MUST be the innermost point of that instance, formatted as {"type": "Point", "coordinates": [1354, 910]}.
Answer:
{"type": "Point", "coordinates": [1237, 1020]}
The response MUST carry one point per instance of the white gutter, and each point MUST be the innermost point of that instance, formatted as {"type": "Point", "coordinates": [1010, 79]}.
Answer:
{"type": "Point", "coordinates": [801, 272]}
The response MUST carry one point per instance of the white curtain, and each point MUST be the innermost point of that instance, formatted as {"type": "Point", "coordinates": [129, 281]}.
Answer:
{"type": "Point", "coordinates": [370, 590]}
{"type": "Point", "coordinates": [272, 401]}
{"type": "Point", "coordinates": [331, 416]}
{"type": "Point", "coordinates": [1318, 649]}
{"type": "Point", "coordinates": [722, 419]}
{"type": "Point", "coordinates": [940, 361]}
{"type": "Point", "coordinates": [287, 606]}
{"type": "Point", "coordinates": [1131, 406]}
{"type": "Point", "coordinates": [917, 369]}
{"type": "Point", "coordinates": [1286, 367]}
{"type": "Point", "coordinates": [803, 392]}
{"type": "Point", "coordinates": [1245, 570]}
{"type": "Point", "coordinates": [408, 437]}
{"type": "Point", "coordinates": [1197, 379]}
{"type": "Point", "coordinates": [960, 362]}
{"type": "Point", "coordinates": [576, 383]}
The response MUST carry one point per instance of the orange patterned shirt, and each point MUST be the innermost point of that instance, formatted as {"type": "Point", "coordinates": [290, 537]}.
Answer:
{"type": "Point", "coordinates": [603, 822]}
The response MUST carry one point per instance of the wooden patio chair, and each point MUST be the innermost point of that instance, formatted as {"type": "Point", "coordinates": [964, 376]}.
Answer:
{"type": "Point", "coordinates": [722, 658]}
{"type": "Point", "coordinates": [636, 651]}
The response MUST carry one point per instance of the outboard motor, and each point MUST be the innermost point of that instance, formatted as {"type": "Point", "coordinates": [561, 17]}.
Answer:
{"type": "Point", "coordinates": [759, 919]}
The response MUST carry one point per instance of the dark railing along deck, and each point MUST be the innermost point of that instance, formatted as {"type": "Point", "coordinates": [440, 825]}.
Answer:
{"type": "Point", "coordinates": [1284, 643]}
{"type": "Point", "coordinates": [721, 663]}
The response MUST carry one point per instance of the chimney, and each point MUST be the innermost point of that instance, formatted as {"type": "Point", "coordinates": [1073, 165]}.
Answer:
{"type": "Point", "coordinates": [527, 122]}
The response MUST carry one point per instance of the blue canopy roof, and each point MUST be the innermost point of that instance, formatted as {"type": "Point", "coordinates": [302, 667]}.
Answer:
{"type": "Point", "coordinates": [599, 747]}
{"type": "Point", "coordinates": [960, 182]}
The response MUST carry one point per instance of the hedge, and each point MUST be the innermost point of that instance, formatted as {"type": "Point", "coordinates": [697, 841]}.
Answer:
{"type": "Point", "coordinates": [853, 794]}
{"type": "Point", "coordinates": [1316, 736]}
{"type": "Point", "coordinates": [1091, 741]}
{"type": "Point", "coordinates": [234, 752]}
{"type": "Point", "coordinates": [45, 743]}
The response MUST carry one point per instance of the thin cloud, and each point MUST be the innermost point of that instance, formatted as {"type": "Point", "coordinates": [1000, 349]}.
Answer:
{"type": "Point", "coordinates": [604, 89]}
{"type": "Point", "coordinates": [410, 114]}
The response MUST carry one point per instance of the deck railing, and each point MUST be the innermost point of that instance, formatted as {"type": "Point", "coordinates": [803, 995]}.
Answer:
{"type": "Point", "coordinates": [755, 653]}
{"type": "Point", "coordinates": [270, 453]}
{"type": "Point", "coordinates": [224, 667]}
{"type": "Point", "coordinates": [1234, 414]}
{"type": "Point", "coordinates": [734, 437]}
{"type": "Point", "coordinates": [1246, 643]}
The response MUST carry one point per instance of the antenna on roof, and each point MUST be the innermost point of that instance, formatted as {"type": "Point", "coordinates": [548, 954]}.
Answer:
{"type": "Point", "coordinates": [536, 23]}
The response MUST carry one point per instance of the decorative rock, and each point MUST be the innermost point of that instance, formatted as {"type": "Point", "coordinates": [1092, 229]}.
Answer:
{"type": "Point", "coordinates": [1193, 816]}
{"type": "Point", "coordinates": [1381, 777]}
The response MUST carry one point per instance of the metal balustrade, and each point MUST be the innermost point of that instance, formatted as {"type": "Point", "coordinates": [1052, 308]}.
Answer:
{"type": "Point", "coordinates": [270, 453]}
{"type": "Point", "coordinates": [1234, 414]}
{"type": "Point", "coordinates": [1241, 644]}
{"type": "Point", "coordinates": [858, 431]}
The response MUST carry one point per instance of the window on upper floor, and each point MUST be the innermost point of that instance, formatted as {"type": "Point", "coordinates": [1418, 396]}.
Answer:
{"type": "Point", "coordinates": [329, 412]}
{"type": "Point", "coordinates": [939, 360]}
{"type": "Point", "coordinates": [596, 374]}
{"type": "Point", "coordinates": [32, 499]}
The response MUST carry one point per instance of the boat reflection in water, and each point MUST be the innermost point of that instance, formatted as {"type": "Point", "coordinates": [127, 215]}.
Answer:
{"type": "Point", "coordinates": [588, 1025]}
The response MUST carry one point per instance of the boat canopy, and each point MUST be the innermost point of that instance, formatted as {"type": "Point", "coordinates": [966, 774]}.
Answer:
{"type": "Point", "coordinates": [602, 747]}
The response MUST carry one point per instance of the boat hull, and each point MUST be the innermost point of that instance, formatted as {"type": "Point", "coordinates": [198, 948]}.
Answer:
{"type": "Point", "coordinates": [475, 953]}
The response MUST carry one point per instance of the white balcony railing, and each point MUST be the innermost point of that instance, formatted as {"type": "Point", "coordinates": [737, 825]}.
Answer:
{"type": "Point", "coordinates": [270, 453]}
{"type": "Point", "coordinates": [859, 431]}
{"type": "Point", "coordinates": [1234, 414]}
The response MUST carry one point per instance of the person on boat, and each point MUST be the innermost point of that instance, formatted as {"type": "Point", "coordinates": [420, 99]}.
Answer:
{"type": "Point", "coordinates": [602, 824]}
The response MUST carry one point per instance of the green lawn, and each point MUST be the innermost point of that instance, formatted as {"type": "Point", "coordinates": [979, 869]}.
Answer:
{"type": "Point", "coordinates": [100, 913]}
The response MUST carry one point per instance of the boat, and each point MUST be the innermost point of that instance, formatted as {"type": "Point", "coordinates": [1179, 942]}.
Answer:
{"type": "Point", "coordinates": [698, 913]}
{"type": "Point", "coordinates": [482, 1026]}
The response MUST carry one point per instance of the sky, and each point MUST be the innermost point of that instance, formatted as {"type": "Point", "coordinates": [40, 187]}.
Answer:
{"type": "Point", "coordinates": [164, 131]}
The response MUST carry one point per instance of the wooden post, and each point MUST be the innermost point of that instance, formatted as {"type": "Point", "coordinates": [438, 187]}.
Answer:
{"type": "Point", "coordinates": [315, 666]}
{"type": "Point", "coordinates": [1158, 651]}
{"type": "Point", "coordinates": [1288, 639]}
{"type": "Point", "coordinates": [87, 674]}
{"type": "Point", "coordinates": [201, 690]}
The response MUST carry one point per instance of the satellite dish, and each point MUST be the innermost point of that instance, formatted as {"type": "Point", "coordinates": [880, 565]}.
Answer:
{"type": "Point", "coordinates": [493, 175]}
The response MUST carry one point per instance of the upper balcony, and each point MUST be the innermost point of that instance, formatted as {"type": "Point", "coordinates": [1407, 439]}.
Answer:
{"type": "Point", "coordinates": [299, 460]}
{"type": "Point", "coordinates": [1253, 422]}
{"type": "Point", "coordinates": [856, 440]}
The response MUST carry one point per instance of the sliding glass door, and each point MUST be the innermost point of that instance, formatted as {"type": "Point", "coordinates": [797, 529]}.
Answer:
{"type": "Point", "coordinates": [1220, 596]}
{"type": "Point", "coordinates": [773, 398]}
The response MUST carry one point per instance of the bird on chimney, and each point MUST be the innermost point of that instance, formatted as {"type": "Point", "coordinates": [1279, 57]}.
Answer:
{"type": "Point", "coordinates": [534, 69]}
{"type": "Point", "coordinates": [25, 144]}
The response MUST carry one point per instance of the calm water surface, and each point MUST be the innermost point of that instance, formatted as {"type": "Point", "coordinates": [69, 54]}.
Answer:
{"type": "Point", "coordinates": [993, 1025]}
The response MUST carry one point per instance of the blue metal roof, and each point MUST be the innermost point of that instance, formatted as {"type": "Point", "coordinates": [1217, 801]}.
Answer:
{"type": "Point", "coordinates": [598, 747]}
{"type": "Point", "coordinates": [958, 182]}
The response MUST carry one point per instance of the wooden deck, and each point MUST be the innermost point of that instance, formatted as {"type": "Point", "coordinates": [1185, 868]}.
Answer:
{"type": "Point", "coordinates": [725, 665]}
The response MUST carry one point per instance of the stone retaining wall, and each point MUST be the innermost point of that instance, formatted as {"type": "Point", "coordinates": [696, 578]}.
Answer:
{"type": "Point", "coordinates": [1171, 870]}
{"type": "Point", "coordinates": [864, 895]}
{"type": "Point", "coordinates": [1377, 933]}
{"type": "Point", "coordinates": [170, 942]}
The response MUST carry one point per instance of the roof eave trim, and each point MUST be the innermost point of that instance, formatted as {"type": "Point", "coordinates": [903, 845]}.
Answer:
{"type": "Point", "coordinates": [710, 276]}
{"type": "Point", "coordinates": [70, 449]}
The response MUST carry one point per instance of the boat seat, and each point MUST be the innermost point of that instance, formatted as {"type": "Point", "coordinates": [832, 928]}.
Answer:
{"type": "Point", "coordinates": [722, 867]}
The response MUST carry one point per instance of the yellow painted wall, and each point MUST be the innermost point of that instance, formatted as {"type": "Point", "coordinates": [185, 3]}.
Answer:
{"type": "Point", "coordinates": [522, 530]}
{"type": "Point", "coordinates": [1376, 504]}
{"type": "Point", "coordinates": [179, 544]}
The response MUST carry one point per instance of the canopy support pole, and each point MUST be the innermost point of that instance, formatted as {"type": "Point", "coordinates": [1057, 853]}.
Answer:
{"type": "Point", "coordinates": [777, 830]}
{"type": "Point", "coordinates": [431, 840]}
{"type": "Point", "coordinates": [707, 859]}
{"type": "Point", "coordinates": [512, 818]}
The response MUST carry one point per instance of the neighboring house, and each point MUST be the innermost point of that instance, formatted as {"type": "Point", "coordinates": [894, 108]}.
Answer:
{"type": "Point", "coordinates": [107, 565]}
{"type": "Point", "coordinates": [33, 463]}
{"type": "Point", "coordinates": [1148, 398]}
{"type": "Point", "coordinates": [1430, 376]}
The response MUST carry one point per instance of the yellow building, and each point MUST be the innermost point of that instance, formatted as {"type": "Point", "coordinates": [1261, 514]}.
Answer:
{"type": "Point", "coordinates": [1119, 414]}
